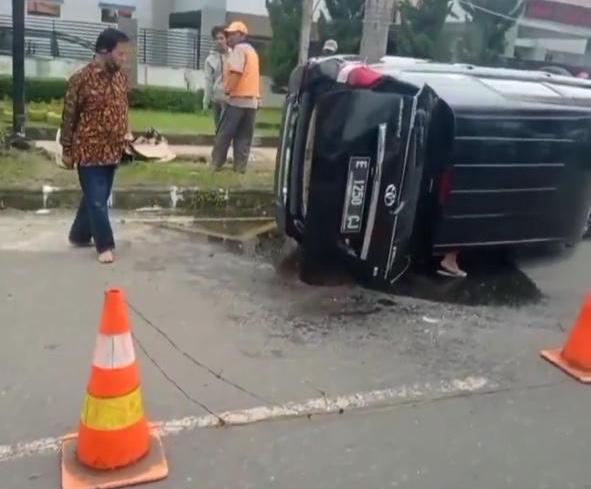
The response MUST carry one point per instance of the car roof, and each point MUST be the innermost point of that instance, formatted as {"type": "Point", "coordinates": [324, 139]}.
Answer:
{"type": "Point", "coordinates": [466, 87]}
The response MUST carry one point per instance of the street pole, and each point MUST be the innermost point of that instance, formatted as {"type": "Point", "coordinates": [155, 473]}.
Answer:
{"type": "Point", "coordinates": [379, 15]}
{"type": "Point", "coordinates": [18, 68]}
{"type": "Point", "coordinates": [306, 30]}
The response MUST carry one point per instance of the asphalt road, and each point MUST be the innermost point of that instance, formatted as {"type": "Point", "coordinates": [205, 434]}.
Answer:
{"type": "Point", "coordinates": [279, 340]}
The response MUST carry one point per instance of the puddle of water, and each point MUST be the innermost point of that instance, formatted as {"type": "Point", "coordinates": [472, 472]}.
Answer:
{"type": "Point", "coordinates": [242, 222]}
{"type": "Point", "coordinates": [494, 280]}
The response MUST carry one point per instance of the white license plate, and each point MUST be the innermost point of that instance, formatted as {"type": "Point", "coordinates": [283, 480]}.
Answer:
{"type": "Point", "coordinates": [354, 205]}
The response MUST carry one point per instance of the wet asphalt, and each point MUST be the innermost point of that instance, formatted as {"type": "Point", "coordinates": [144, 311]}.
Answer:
{"type": "Point", "coordinates": [238, 307]}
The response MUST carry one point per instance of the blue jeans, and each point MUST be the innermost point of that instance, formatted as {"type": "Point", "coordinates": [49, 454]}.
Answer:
{"type": "Point", "coordinates": [92, 219]}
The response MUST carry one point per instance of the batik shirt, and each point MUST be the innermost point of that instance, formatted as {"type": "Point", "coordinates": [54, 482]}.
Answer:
{"type": "Point", "coordinates": [95, 117]}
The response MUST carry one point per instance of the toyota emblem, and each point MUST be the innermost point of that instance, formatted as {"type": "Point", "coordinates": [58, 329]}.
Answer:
{"type": "Point", "coordinates": [390, 195]}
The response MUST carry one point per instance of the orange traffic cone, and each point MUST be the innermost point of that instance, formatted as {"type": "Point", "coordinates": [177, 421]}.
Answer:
{"type": "Point", "coordinates": [575, 357]}
{"type": "Point", "coordinates": [114, 447]}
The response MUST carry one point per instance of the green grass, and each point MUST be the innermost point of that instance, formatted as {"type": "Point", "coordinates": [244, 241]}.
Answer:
{"type": "Point", "coordinates": [165, 122]}
{"type": "Point", "coordinates": [140, 120]}
{"type": "Point", "coordinates": [33, 169]}
{"type": "Point", "coordinates": [178, 123]}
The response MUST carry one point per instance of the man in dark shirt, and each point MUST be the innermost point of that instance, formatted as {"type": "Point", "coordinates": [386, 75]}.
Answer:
{"type": "Point", "coordinates": [93, 136]}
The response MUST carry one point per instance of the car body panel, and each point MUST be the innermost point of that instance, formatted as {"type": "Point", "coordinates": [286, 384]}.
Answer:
{"type": "Point", "coordinates": [515, 144]}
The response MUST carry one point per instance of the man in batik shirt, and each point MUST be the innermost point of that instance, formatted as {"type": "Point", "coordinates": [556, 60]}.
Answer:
{"type": "Point", "coordinates": [93, 135]}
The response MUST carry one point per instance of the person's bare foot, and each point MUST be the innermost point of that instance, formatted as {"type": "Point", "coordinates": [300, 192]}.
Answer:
{"type": "Point", "coordinates": [106, 257]}
{"type": "Point", "coordinates": [449, 267]}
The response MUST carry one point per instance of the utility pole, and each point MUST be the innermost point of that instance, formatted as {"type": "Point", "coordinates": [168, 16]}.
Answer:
{"type": "Point", "coordinates": [306, 30]}
{"type": "Point", "coordinates": [379, 16]}
{"type": "Point", "coordinates": [18, 69]}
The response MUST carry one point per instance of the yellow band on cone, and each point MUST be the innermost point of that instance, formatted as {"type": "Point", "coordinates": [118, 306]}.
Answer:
{"type": "Point", "coordinates": [112, 414]}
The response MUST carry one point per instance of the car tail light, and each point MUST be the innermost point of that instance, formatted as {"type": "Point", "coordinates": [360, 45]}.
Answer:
{"type": "Point", "coordinates": [445, 185]}
{"type": "Point", "coordinates": [363, 77]}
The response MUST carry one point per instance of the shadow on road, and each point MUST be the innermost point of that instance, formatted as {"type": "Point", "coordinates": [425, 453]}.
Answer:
{"type": "Point", "coordinates": [494, 279]}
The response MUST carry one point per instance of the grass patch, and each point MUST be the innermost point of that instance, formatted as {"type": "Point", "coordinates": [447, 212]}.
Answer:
{"type": "Point", "coordinates": [33, 169]}
{"type": "Point", "coordinates": [165, 122]}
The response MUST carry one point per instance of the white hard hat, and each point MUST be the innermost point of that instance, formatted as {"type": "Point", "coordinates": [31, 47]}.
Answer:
{"type": "Point", "coordinates": [331, 46]}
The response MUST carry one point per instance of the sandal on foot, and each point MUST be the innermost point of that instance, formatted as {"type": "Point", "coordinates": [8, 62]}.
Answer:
{"type": "Point", "coordinates": [450, 273]}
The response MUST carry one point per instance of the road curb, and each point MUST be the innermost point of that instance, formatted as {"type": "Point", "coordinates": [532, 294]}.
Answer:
{"type": "Point", "coordinates": [49, 134]}
{"type": "Point", "coordinates": [199, 202]}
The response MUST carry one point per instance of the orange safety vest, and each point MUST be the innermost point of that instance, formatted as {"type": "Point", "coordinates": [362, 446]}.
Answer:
{"type": "Point", "coordinates": [249, 84]}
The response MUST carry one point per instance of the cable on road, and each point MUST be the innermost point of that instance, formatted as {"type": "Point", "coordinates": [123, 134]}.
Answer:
{"type": "Point", "coordinates": [193, 360]}
{"type": "Point", "coordinates": [174, 383]}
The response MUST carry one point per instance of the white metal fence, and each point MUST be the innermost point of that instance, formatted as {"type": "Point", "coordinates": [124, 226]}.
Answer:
{"type": "Point", "coordinates": [178, 48]}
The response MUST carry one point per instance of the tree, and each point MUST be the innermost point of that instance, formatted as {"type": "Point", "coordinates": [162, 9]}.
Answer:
{"type": "Point", "coordinates": [343, 22]}
{"type": "Point", "coordinates": [377, 21]}
{"type": "Point", "coordinates": [487, 27]}
{"type": "Point", "coordinates": [421, 25]}
{"type": "Point", "coordinates": [285, 17]}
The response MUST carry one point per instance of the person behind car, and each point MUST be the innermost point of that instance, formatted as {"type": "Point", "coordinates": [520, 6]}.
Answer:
{"type": "Point", "coordinates": [242, 86]}
{"type": "Point", "coordinates": [214, 98]}
{"type": "Point", "coordinates": [330, 48]}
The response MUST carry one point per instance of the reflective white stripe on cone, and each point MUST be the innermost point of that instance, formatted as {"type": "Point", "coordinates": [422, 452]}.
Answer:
{"type": "Point", "coordinates": [114, 351]}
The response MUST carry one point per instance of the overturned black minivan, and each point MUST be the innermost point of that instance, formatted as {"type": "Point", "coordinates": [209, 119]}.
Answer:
{"type": "Point", "coordinates": [382, 164]}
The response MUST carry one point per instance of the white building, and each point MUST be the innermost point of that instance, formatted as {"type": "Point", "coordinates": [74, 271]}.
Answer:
{"type": "Point", "coordinates": [149, 13]}
{"type": "Point", "coordinates": [556, 31]}
{"type": "Point", "coordinates": [171, 32]}
{"type": "Point", "coordinates": [173, 36]}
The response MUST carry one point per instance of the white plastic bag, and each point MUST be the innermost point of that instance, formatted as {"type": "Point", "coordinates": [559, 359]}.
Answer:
{"type": "Point", "coordinates": [59, 151]}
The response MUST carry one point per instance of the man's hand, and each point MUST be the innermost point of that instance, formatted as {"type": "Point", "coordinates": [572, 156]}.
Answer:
{"type": "Point", "coordinates": [67, 158]}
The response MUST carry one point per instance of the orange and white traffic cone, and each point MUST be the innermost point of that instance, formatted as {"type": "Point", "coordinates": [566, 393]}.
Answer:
{"type": "Point", "coordinates": [575, 357]}
{"type": "Point", "coordinates": [114, 447]}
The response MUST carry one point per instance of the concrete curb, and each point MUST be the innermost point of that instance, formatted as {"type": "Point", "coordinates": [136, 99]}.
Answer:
{"type": "Point", "coordinates": [49, 133]}
{"type": "Point", "coordinates": [214, 202]}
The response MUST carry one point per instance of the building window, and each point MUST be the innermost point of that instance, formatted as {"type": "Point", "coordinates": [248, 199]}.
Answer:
{"type": "Point", "coordinates": [112, 15]}
{"type": "Point", "coordinates": [45, 8]}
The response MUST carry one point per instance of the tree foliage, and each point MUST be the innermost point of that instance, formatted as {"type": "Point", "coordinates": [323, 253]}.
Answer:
{"type": "Point", "coordinates": [487, 26]}
{"type": "Point", "coordinates": [285, 17]}
{"type": "Point", "coordinates": [421, 25]}
{"type": "Point", "coordinates": [343, 22]}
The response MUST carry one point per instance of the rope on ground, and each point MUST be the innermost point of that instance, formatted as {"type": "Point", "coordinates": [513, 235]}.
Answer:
{"type": "Point", "coordinates": [174, 383]}
{"type": "Point", "coordinates": [192, 359]}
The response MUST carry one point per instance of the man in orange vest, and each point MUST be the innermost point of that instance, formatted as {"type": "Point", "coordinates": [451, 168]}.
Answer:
{"type": "Point", "coordinates": [242, 86]}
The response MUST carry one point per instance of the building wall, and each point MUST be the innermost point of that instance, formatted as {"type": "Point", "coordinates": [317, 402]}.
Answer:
{"type": "Point", "coordinates": [536, 32]}
{"type": "Point", "coordinates": [81, 10]}
{"type": "Point", "coordinates": [5, 8]}
{"type": "Point", "coordinates": [255, 7]}
{"type": "Point", "coordinates": [148, 12]}
{"type": "Point", "coordinates": [152, 13]}
{"type": "Point", "coordinates": [189, 5]}
{"type": "Point", "coordinates": [155, 13]}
